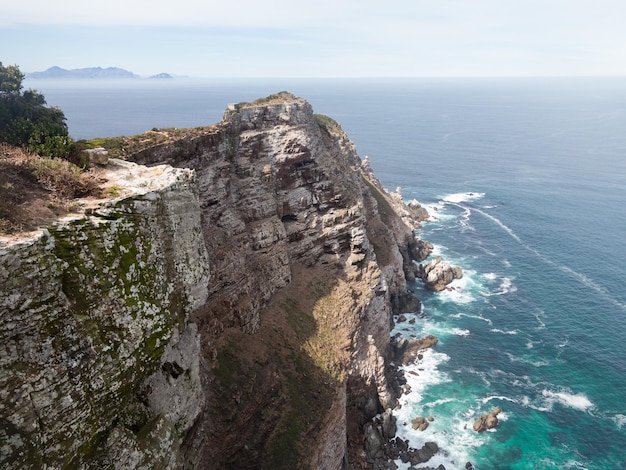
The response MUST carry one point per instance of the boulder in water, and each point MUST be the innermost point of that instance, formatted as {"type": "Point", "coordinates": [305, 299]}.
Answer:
{"type": "Point", "coordinates": [437, 274]}
{"type": "Point", "coordinates": [488, 421]}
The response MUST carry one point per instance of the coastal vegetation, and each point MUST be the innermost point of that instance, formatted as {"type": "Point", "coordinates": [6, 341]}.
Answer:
{"type": "Point", "coordinates": [26, 121]}
{"type": "Point", "coordinates": [38, 180]}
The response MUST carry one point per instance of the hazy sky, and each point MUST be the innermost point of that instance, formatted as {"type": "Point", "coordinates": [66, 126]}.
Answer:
{"type": "Point", "coordinates": [319, 38]}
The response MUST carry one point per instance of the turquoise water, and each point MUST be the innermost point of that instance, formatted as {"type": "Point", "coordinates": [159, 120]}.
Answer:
{"type": "Point", "coordinates": [526, 182]}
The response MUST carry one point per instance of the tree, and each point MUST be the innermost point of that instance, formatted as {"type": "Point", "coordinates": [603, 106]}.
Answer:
{"type": "Point", "coordinates": [25, 121]}
{"type": "Point", "coordinates": [10, 79]}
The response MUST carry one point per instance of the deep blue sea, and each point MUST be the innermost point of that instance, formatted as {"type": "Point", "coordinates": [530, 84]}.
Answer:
{"type": "Point", "coordinates": [526, 183]}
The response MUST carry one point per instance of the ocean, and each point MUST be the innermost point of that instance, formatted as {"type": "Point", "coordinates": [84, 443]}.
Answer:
{"type": "Point", "coordinates": [525, 180]}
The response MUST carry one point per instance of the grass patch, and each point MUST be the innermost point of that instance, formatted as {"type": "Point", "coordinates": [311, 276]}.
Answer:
{"type": "Point", "coordinates": [275, 98]}
{"type": "Point", "coordinates": [113, 191]}
{"type": "Point", "coordinates": [326, 123]}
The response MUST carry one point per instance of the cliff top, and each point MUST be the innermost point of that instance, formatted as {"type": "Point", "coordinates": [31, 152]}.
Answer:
{"type": "Point", "coordinates": [36, 192]}
{"type": "Point", "coordinates": [276, 98]}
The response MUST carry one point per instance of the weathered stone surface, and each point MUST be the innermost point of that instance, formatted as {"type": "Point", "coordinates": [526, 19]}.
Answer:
{"type": "Point", "coordinates": [487, 421]}
{"type": "Point", "coordinates": [88, 307]}
{"type": "Point", "coordinates": [389, 424]}
{"type": "Point", "coordinates": [437, 274]}
{"type": "Point", "coordinates": [417, 456]}
{"type": "Point", "coordinates": [374, 442]}
{"type": "Point", "coordinates": [420, 423]}
{"type": "Point", "coordinates": [97, 156]}
{"type": "Point", "coordinates": [407, 350]}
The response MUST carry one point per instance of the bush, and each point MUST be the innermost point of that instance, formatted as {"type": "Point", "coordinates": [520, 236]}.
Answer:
{"type": "Point", "coordinates": [63, 178]}
{"type": "Point", "coordinates": [25, 121]}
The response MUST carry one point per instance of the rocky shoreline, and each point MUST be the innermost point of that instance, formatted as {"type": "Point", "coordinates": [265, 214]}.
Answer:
{"type": "Point", "coordinates": [383, 447]}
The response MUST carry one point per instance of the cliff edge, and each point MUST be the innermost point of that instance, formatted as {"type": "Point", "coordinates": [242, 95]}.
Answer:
{"type": "Point", "coordinates": [230, 310]}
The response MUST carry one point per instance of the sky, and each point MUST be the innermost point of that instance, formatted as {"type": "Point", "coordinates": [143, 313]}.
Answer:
{"type": "Point", "coordinates": [319, 38]}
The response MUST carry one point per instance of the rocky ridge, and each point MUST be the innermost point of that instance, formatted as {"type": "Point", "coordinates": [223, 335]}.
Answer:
{"type": "Point", "coordinates": [231, 308]}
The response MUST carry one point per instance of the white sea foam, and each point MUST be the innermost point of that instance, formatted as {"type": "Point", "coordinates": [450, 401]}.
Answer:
{"type": "Point", "coordinates": [528, 403]}
{"type": "Point", "coordinates": [500, 224]}
{"type": "Point", "coordinates": [428, 374]}
{"type": "Point", "coordinates": [477, 317]}
{"type": "Point", "coordinates": [620, 420]}
{"type": "Point", "coordinates": [592, 285]}
{"type": "Point", "coordinates": [462, 197]}
{"type": "Point", "coordinates": [457, 295]}
{"type": "Point", "coordinates": [563, 344]}
{"type": "Point", "coordinates": [575, 464]}
{"type": "Point", "coordinates": [498, 397]}
{"type": "Point", "coordinates": [436, 251]}
{"type": "Point", "coordinates": [452, 431]}
{"type": "Point", "coordinates": [509, 332]}
{"type": "Point", "coordinates": [490, 276]}
{"type": "Point", "coordinates": [460, 332]}
{"type": "Point", "coordinates": [437, 213]}
{"type": "Point", "coordinates": [464, 220]}
{"type": "Point", "coordinates": [539, 314]}
{"type": "Point", "coordinates": [460, 290]}
{"type": "Point", "coordinates": [506, 286]}
{"type": "Point", "coordinates": [525, 360]}
{"type": "Point", "coordinates": [576, 401]}
{"type": "Point", "coordinates": [441, 401]}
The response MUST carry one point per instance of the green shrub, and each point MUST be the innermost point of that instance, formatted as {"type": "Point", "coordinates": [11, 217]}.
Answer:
{"type": "Point", "coordinates": [26, 122]}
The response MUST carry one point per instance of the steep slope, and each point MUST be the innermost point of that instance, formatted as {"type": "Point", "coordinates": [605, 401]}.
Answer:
{"type": "Point", "coordinates": [308, 255]}
{"type": "Point", "coordinates": [274, 276]}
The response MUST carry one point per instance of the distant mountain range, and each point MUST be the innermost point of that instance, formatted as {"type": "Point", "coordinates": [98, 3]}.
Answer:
{"type": "Point", "coordinates": [91, 72]}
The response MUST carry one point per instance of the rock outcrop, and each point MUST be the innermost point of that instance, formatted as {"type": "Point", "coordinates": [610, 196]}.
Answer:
{"type": "Point", "coordinates": [437, 274]}
{"type": "Point", "coordinates": [406, 351]}
{"type": "Point", "coordinates": [99, 358]}
{"type": "Point", "coordinates": [487, 421]}
{"type": "Point", "coordinates": [231, 308]}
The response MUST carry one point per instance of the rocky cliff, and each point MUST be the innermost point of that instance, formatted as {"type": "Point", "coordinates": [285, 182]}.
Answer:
{"type": "Point", "coordinates": [230, 308]}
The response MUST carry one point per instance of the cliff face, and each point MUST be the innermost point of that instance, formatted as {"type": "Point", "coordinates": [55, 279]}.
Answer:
{"type": "Point", "coordinates": [232, 312]}
{"type": "Point", "coordinates": [98, 359]}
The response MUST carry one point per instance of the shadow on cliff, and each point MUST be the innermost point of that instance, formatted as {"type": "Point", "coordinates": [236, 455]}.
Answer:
{"type": "Point", "coordinates": [271, 394]}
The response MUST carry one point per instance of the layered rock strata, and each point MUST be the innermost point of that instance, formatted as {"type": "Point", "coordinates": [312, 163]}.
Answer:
{"type": "Point", "coordinates": [230, 309]}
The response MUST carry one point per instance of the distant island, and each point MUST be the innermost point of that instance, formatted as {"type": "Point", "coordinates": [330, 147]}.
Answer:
{"type": "Point", "coordinates": [162, 75]}
{"type": "Point", "coordinates": [92, 73]}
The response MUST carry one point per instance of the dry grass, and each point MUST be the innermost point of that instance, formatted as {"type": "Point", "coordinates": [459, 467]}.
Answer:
{"type": "Point", "coordinates": [124, 147]}
{"type": "Point", "coordinates": [36, 190]}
